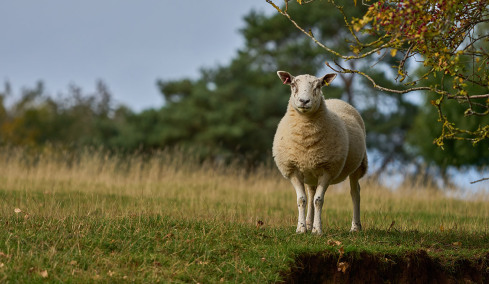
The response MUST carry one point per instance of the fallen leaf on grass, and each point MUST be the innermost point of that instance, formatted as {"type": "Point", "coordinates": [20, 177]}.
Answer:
{"type": "Point", "coordinates": [17, 210]}
{"type": "Point", "coordinates": [457, 244]}
{"type": "Point", "coordinates": [442, 228]}
{"type": "Point", "coordinates": [343, 266]}
{"type": "Point", "coordinates": [2, 264]}
{"type": "Point", "coordinates": [44, 274]}
{"type": "Point", "coordinates": [5, 255]}
{"type": "Point", "coordinates": [73, 262]}
{"type": "Point", "coordinates": [200, 262]}
{"type": "Point", "coordinates": [157, 264]}
{"type": "Point", "coordinates": [334, 243]}
{"type": "Point", "coordinates": [259, 224]}
{"type": "Point", "coordinates": [168, 236]}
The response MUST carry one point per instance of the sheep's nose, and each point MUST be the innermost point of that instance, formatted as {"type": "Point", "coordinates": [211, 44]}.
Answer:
{"type": "Point", "coordinates": [304, 101]}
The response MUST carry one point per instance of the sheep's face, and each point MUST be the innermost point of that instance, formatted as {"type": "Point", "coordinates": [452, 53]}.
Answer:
{"type": "Point", "coordinates": [306, 95]}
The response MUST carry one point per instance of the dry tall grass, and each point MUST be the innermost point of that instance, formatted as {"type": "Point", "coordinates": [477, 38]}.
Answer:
{"type": "Point", "coordinates": [174, 183]}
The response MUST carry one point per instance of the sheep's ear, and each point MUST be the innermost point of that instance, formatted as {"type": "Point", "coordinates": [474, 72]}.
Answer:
{"type": "Point", "coordinates": [327, 79]}
{"type": "Point", "coordinates": [285, 77]}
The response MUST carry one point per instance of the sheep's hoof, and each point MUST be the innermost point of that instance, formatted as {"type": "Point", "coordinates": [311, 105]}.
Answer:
{"type": "Point", "coordinates": [355, 227]}
{"type": "Point", "coordinates": [309, 227]}
{"type": "Point", "coordinates": [317, 231]}
{"type": "Point", "coordinates": [301, 229]}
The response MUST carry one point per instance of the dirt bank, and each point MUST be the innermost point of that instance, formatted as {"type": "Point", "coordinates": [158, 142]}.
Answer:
{"type": "Point", "coordinates": [413, 267]}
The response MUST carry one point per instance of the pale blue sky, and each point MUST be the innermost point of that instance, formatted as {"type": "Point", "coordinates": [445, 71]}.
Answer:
{"type": "Point", "coordinates": [127, 44]}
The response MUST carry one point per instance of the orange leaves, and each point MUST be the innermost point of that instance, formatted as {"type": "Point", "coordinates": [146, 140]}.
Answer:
{"type": "Point", "coordinates": [41, 272]}
{"type": "Point", "coordinates": [44, 273]}
{"type": "Point", "coordinates": [342, 266]}
{"type": "Point", "coordinates": [331, 242]}
{"type": "Point", "coordinates": [259, 224]}
{"type": "Point", "coordinates": [4, 255]}
{"type": "Point", "coordinates": [457, 244]}
{"type": "Point", "coordinates": [341, 250]}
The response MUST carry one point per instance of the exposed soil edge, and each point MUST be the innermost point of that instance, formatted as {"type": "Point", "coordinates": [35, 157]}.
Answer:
{"type": "Point", "coordinates": [412, 267]}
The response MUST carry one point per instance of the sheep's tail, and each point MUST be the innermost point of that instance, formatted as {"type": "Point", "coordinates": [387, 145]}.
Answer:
{"type": "Point", "coordinates": [362, 170]}
{"type": "Point", "coordinates": [364, 165]}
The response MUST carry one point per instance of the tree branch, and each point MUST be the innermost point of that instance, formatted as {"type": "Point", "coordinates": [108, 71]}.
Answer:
{"type": "Point", "coordinates": [476, 181]}
{"type": "Point", "coordinates": [375, 85]}
{"type": "Point", "coordinates": [469, 97]}
{"type": "Point", "coordinates": [311, 36]}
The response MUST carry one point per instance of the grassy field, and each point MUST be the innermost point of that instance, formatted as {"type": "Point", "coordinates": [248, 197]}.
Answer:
{"type": "Point", "coordinates": [90, 217]}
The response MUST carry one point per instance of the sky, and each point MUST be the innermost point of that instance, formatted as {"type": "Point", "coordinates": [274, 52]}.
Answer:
{"type": "Point", "coordinates": [127, 44]}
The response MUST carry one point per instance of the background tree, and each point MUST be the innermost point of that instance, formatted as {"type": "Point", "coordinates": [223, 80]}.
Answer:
{"type": "Point", "coordinates": [73, 120]}
{"type": "Point", "coordinates": [455, 153]}
{"type": "Point", "coordinates": [445, 36]}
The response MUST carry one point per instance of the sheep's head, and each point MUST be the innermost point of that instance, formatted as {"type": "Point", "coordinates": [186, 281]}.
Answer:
{"type": "Point", "coordinates": [306, 95]}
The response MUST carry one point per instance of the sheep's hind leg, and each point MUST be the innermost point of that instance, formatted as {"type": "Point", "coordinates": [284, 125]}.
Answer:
{"type": "Point", "coordinates": [310, 206]}
{"type": "Point", "coordinates": [301, 202]}
{"type": "Point", "coordinates": [355, 198]}
{"type": "Point", "coordinates": [317, 227]}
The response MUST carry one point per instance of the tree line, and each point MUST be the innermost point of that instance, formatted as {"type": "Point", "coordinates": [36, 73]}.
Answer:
{"type": "Point", "coordinates": [230, 112]}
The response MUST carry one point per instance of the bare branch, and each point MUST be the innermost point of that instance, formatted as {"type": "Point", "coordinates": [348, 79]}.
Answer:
{"type": "Point", "coordinates": [401, 64]}
{"type": "Point", "coordinates": [375, 85]}
{"type": "Point", "coordinates": [476, 181]}
{"type": "Point", "coordinates": [311, 36]}
{"type": "Point", "coordinates": [469, 97]}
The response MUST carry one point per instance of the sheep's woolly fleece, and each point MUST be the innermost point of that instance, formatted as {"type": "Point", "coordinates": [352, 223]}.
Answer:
{"type": "Point", "coordinates": [319, 142]}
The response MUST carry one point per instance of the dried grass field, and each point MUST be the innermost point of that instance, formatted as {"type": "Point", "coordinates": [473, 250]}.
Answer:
{"type": "Point", "coordinates": [94, 216]}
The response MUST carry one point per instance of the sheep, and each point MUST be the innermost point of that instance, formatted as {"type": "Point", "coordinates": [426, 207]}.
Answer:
{"type": "Point", "coordinates": [318, 143]}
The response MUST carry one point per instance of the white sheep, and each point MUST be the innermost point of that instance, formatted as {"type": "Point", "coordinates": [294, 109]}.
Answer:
{"type": "Point", "coordinates": [319, 142]}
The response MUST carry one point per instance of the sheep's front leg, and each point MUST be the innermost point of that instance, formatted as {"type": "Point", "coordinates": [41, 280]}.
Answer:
{"type": "Point", "coordinates": [310, 206]}
{"type": "Point", "coordinates": [301, 202]}
{"type": "Point", "coordinates": [323, 184]}
{"type": "Point", "coordinates": [355, 198]}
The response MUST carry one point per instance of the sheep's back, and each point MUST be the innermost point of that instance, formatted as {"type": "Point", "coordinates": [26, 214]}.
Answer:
{"type": "Point", "coordinates": [356, 135]}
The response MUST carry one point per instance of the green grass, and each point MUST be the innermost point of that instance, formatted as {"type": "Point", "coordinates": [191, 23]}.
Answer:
{"type": "Point", "coordinates": [114, 219]}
